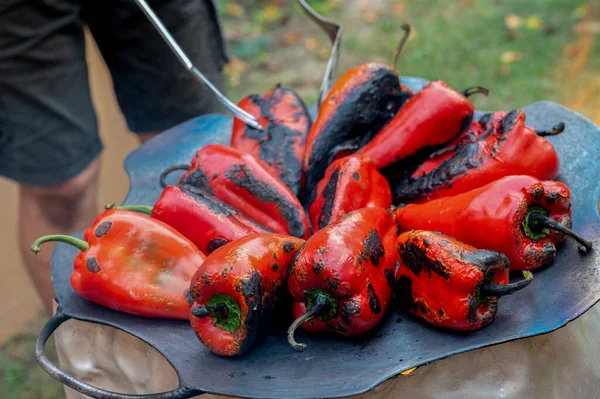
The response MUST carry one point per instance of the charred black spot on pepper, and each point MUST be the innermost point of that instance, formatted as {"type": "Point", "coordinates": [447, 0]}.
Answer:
{"type": "Point", "coordinates": [374, 247]}
{"type": "Point", "coordinates": [444, 243]}
{"type": "Point", "coordinates": [288, 247]}
{"type": "Point", "coordinates": [356, 176]}
{"type": "Point", "coordinates": [472, 315]}
{"type": "Point", "coordinates": [483, 259]}
{"type": "Point", "coordinates": [275, 266]}
{"type": "Point", "coordinates": [509, 120]}
{"type": "Point", "coordinates": [198, 179]}
{"type": "Point", "coordinates": [332, 283]}
{"type": "Point", "coordinates": [274, 255]}
{"type": "Point", "coordinates": [378, 100]}
{"type": "Point", "coordinates": [359, 260]}
{"type": "Point", "coordinates": [349, 309]}
{"type": "Point", "coordinates": [417, 261]}
{"type": "Point", "coordinates": [389, 276]}
{"type": "Point", "coordinates": [485, 119]}
{"type": "Point", "coordinates": [188, 297]}
{"type": "Point", "coordinates": [251, 288]}
{"type": "Point", "coordinates": [426, 242]}
{"type": "Point", "coordinates": [103, 228]}
{"type": "Point", "coordinates": [328, 195]}
{"type": "Point", "coordinates": [465, 123]}
{"type": "Point", "coordinates": [215, 243]}
{"type": "Point", "coordinates": [322, 250]}
{"type": "Point", "coordinates": [374, 303]}
{"type": "Point", "coordinates": [441, 312]}
{"type": "Point", "coordinates": [92, 265]}
{"type": "Point", "coordinates": [242, 176]}
{"type": "Point", "coordinates": [205, 279]}
{"type": "Point", "coordinates": [317, 267]}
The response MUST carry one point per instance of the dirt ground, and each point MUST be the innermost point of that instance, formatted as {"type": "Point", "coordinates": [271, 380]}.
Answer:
{"type": "Point", "coordinates": [18, 300]}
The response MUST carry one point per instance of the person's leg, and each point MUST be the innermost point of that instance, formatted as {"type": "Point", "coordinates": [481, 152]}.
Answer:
{"type": "Point", "coordinates": [49, 142]}
{"type": "Point", "coordinates": [60, 209]}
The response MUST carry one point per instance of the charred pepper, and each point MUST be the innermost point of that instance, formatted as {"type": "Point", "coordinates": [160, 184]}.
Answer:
{"type": "Point", "coordinates": [519, 216]}
{"type": "Point", "coordinates": [341, 278]}
{"type": "Point", "coordinates": [498, 145]}
{"type": "Point", "coordinates": [451, 284]}
{"type": "Point", "coordinates": [242, 182]}
{"type": "Point", "coordinates": [280, 145]}
{"type": "Point", "coordinates": [199, 216]}
{"type": "Point", "coordinates": [349, 184]}
{"type": "Point", "coordinates": [431, 118]}
{"type": "Point", "coordinates": [235, 289]}
{"type": "Point", "coordinates": [133, 263]}
{"type": "Point", "coordinates": [359, 105]}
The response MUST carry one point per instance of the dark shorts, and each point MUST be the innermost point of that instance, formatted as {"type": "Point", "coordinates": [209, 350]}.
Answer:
{"type": "Point", "coordinates": [48, 128]}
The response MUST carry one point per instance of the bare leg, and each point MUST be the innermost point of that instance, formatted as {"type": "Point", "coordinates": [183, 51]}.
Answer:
{"type": "Point", "coordinates": [60, 209]}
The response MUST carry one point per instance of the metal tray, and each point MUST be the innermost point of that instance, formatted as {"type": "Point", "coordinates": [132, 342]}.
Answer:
{"type": "Point", "coordinates": [333, 367]}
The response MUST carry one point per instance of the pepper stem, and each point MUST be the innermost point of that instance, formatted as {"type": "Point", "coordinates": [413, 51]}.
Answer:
{"type": "Point", "coordinates": [76, 242]}
{"type": "Point", "coordinates": [475, 89]}
{"type": "Point", "coordinates": [400, 46]}
{"type": "Point", "coordinates": [166, 172]}
{"type": "Point", "coordinates": [490, 288]}
{"type": "Point", "coordinates": [537, 219]}
{"type": "Point", "coordinates": [218, 311]}
{"type": "Point", "coordinates": [146, 209]}
{"type": "Point", "coordinates": [556, 129]}
{"type": "Point", "coordinates": [320, 306]}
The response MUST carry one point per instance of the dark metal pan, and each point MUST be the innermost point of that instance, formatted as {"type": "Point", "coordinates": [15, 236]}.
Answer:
{"type": "Point", "coordinates": [333, 367]}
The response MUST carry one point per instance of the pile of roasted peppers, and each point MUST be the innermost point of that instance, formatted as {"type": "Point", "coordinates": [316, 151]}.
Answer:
{"type": "Point", "coordinates": [388, 199]}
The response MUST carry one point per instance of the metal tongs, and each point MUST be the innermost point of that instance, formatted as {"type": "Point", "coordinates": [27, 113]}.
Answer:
{"type": "Point", "coordinates": [333, 31]}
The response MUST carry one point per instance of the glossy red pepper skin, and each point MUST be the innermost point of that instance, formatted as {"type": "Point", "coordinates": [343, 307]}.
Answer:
{"type": "Point", "coordinates": [351, 262]}
{"type": "Point", "coordinates": [281, 145]}
{"type": "Point", "coordinates": [499, 145]}
{"type": "Point", "coordinates": [440, 278]}
{"type": "Point", "coordinates": [247, 276]}
{"type": "Point", "coordinates": [432, 117]}
{"type": "Point", "coordinates": [495, 217]}
{"type": "Point", "coordinates": [358, 106]}
{"type": "Point", "coordinates": [242, 182]}
{"type": "Point", "coordinates": [202, 218]}
{"type": "Point", "coordinates": [135, 264]}
{"type": "Point", "coordinates": [350, 183]}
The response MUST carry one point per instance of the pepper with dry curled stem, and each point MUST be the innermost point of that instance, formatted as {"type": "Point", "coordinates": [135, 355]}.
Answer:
{"type": "Point", "coordinates": [492, 148]}
{"type": "Point", "coordinates": [519, 216]}
{"type": "Point", "coordinates": [341, 278]}
{"type": "Point", "coordinates": [133, 263]}
{"type": "Point", "coordinates": [236, 288]}
{"type": "Point", "coordinates": [450, 284]}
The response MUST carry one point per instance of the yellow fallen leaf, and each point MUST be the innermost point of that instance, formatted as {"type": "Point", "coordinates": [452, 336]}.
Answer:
{"type": "Point", "coordinates": [363, 5]}
{"type": "Point", "coordinates": [508, 57]}
{"type": "Point", "coordinates": [311, 44]}
{"type": "Point", "coordinates": [581, 11]}
{"type": "Point", "coordinates": [407, 372]}
{"type": "Point", "coordinates": [324, 53]}
{"type": "Point", "coordinates": [534, 22]}
{"type": "Point", "coordinates": [235, 10]}
{"type": "Point", "coordinates": [513, 21]}
{"type": "Point", "coordinates": [399, 7]}
{"type": "Point", "coordinates": [370, 16]}
{"type": "Point", "coordinates": [271, 13]}
{"type": "Point", "coordinates": [291, 38]}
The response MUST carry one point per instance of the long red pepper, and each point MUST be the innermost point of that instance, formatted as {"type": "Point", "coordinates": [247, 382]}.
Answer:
{"type": "Point", "coordinates": [133, 263]}
{"type": "Point", "coordinates": [519, 216]}
{"type": "Point", "coordinates": [281, 144]}
{"type": "Point", "coordinates": [451, 284]}
{"type": "Point", "coordinates": [499, 145]}
{"type": "Point", "coordinates": [236, 288]}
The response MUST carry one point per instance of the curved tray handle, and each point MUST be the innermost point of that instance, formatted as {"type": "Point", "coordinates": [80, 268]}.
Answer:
{"type": "Point", "coordinates": [180, 392]}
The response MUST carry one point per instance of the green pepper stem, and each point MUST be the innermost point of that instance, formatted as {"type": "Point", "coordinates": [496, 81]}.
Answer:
{"type": "Point", "coordinates": [490, 288]}
{"type": "Point", "coordinates": [320, 306]}
{"type": "Point", "coordinates": [542, 220]}
{"type": "Point", "coordinates": [475, 89]}
{"type": "Point", "coordinates": [76, 242]}
{"type": "Point", "coordinates": [400, 46]}
{"type": "Point", "coordinates": [166, 172]}
{"type": "Point", "coordinates": [219, 311]}
{"type": "Point", "coordinates": [556, 129]}
{"type": "Point", "coordinates": [146, 209]}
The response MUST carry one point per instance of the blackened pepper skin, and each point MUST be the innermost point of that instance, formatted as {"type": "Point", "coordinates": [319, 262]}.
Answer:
{"type": "Point", "coordinates": [281, 144]}
{"type": "Point", "coordinates": [242, 182]}
{"type": "Point", "coordinates": [236, 289]}
{"type": "Point", "coordinates": [451, 284]}
{"type": "Point", "coordinates": [358, 106]}
{"type": "Point", "coordinates": [338, 279]}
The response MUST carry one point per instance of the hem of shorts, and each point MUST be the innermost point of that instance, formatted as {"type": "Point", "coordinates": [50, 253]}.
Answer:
{"type": "Point", "coordinates": [56, 176]}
